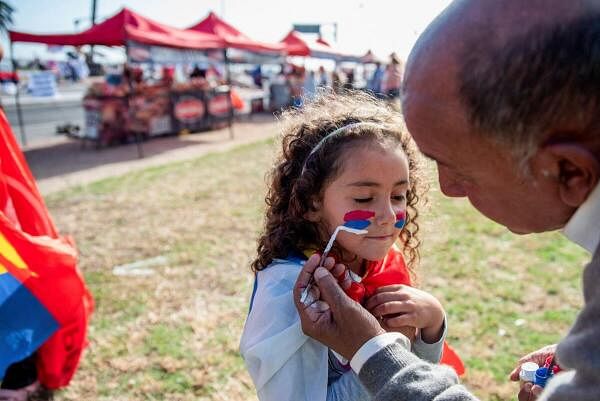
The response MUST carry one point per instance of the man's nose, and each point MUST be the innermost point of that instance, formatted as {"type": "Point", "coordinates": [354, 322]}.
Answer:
{"type": "Point", "coordinates": [449, 185]}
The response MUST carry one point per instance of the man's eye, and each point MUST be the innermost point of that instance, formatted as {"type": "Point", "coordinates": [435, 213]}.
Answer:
{"type": "Point", "coordinates": [363, 200]}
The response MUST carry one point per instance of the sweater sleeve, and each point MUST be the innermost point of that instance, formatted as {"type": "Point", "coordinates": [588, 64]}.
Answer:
{"type": "Point", "coordinates": [395, 373]}
{"type": "Point", "coordinates": [579, 352]}
{"type": "Point", "coordinates": [430, 352]}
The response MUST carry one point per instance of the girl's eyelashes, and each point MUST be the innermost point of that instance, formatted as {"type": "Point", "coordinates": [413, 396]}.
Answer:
{"type": "Point", "coordinates": [396, 198]}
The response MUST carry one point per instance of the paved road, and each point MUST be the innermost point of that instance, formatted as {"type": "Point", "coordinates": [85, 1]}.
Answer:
{"type": "Point", "coordinates": [42, 115]}
{"type": "Point", "coordinates": [40, 120]}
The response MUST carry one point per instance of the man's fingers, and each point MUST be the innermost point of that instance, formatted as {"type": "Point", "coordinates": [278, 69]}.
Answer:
{"type": "Point", "coordinates": [525, 392]}
{"type": "Point", "coordinates": [338, 271]}
{"type": "Point", "coordinates": [342, 274]}
{"type": "Point", "coordinates": [346, 281]}
{"type": "Point", "coordinates": [304, 278]}
{"type": "Point", "coordinates": [514, 375]}
{"type": "Point", "coordinates": [331, 292]}
{"type": "Point", "coordinates": [316, 312]}
{"type": "Point", "coordinates": [530, 392]}
{"type": "Point", "coordinates": [307, 271]}
{"type": "Point", "coordinates": [320, 306]}
{"type": "Point", "coordinates": [328, 263]}
{"type": "Point", "coordinates": [536, 391]}
{"type": "Point", "coordinates": [540, 355]}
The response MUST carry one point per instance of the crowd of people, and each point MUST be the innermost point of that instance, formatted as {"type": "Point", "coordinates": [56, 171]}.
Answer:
{"type": "Point", "coordinates": [294, 84]}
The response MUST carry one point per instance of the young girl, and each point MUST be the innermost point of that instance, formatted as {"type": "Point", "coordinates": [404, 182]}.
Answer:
{"type": "Point", "coordinates": [345, 159]}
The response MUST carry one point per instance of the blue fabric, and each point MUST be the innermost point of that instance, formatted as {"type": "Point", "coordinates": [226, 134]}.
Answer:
{"type": "Point", "coordinates": [254, 287]}
{"type": "Point", "coordinates": [25, 324]}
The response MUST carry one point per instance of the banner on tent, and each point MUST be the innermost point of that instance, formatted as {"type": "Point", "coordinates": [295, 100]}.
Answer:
{"type": "Point", "coordinates": [141, 53]}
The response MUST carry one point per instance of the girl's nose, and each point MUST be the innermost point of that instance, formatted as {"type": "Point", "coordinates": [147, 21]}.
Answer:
{"type": "Point", "coordinates": [386, 215]}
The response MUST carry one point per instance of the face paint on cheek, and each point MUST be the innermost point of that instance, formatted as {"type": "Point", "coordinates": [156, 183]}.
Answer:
{"type": "Point", "coordinates": [358, 219]}
{"type": "Point", "coordinates": [400, 219]}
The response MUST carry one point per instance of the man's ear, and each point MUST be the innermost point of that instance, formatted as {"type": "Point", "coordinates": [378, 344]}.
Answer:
{"type": "Point", "coordinates": [314, 213]}
{"type": "Point", "coordinates": [575, 167]}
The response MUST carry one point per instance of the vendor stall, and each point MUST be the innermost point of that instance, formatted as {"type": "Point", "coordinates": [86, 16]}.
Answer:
{"type": "Point", "coordinates": [153, 111]}
{"type": "Point", "coordinates": [240, 49]}
{"type": "Point", "coordinates": [125, 107]}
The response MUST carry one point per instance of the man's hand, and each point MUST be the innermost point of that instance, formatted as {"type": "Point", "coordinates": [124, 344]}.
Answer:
{"type": "Point", "coordinates": [335, 320]}
{"type": "Point", "coordinates": [538, 357]}
{"type": "Point", "coordinates": [529, 391]}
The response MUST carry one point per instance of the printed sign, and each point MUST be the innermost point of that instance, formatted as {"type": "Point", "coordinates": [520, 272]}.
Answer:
{"type": "Point", "coordinates": [189, 109]}
{"type": "Point", "coordinates": [219, 105]}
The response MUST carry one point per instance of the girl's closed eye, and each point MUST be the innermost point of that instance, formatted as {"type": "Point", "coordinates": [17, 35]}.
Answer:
{"type": "Point", "coordinates": [363, 200]}
{"type": "Point", "coordinates": [399, 198]}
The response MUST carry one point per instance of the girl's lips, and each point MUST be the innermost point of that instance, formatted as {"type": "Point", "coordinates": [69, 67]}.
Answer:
{"type": "Point", "coordinates": [380, 237]}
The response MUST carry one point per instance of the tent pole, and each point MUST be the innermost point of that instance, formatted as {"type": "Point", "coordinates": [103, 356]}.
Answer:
{"type": "Point", "coordinates": [138, 139]}
{"type": "Point", "coordinates": [94, 8]}
{"type": "Point", "coordinates": [17, 97]}
{"type": "Point", "coordinates": [228, 72]}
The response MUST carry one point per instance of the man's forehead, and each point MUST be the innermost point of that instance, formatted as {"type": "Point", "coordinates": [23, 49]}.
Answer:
{"type": "Point", "coordinates": [438, 125]}
{"type": "Point", "coordinates": [427, 110]}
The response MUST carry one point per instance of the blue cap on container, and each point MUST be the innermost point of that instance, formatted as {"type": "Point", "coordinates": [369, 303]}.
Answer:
{"type": "Point", "coordinates": [541, 377]}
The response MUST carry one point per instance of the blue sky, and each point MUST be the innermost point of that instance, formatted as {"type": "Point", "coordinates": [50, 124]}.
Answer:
{"type": "Point", "coordinates": [383, 26]}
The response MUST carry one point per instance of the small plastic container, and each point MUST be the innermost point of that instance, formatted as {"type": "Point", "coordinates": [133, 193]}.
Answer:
{"type": "Point", "coordinates": [527, 373]}
{"type": "Point", "coordinates": [541, 377]}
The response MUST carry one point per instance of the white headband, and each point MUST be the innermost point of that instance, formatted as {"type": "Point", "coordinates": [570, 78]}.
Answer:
{"type": "Point", "coordinates": [337, 132]}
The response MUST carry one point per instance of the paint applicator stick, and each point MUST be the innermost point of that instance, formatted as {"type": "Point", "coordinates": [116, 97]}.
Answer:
{"type": "Point", "coordinates": [304, 298]}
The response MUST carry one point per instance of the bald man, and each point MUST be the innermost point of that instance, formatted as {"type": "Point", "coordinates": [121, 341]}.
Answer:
{"type": "Point", "coordinates": [505, 97]}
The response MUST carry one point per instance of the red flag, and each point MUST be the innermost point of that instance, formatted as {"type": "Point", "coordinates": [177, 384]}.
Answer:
{"type": "Point", "coordinates": [45, 265]}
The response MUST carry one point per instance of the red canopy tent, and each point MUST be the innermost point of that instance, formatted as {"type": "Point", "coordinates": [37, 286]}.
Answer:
{"type": "Point", "coordinates": [126, 26]}
{"type": "Point", "coordinates": [233, 38]}
{"type": "Point", "coordinates": [296, 45]}
{"type": "Point", "coordinates": [119, 30]}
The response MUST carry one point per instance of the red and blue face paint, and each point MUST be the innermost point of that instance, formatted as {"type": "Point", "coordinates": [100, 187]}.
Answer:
{"type": "Point", "coordinates": [358, 219]}
{"type": "Point", "coordinates": [400, 219]}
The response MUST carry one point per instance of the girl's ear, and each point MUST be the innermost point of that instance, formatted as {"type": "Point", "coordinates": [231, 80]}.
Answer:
{"type": "Point", "coordinates": [314, 213]}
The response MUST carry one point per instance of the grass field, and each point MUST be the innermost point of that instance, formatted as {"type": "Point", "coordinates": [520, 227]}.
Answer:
{"type": "Point", "coordinates": [173, 335]}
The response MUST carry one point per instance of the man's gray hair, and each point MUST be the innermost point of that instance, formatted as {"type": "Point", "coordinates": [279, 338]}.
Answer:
{"type": "Point", "coordinates": [517, 92]}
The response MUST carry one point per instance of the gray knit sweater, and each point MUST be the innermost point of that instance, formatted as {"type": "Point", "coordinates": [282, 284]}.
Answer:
{"type": "Point", "coordinates": [394, 373]}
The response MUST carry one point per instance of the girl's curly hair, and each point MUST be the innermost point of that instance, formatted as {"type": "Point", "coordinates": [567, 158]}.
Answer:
{"type": "Point", "coordinates": [292, 191]}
